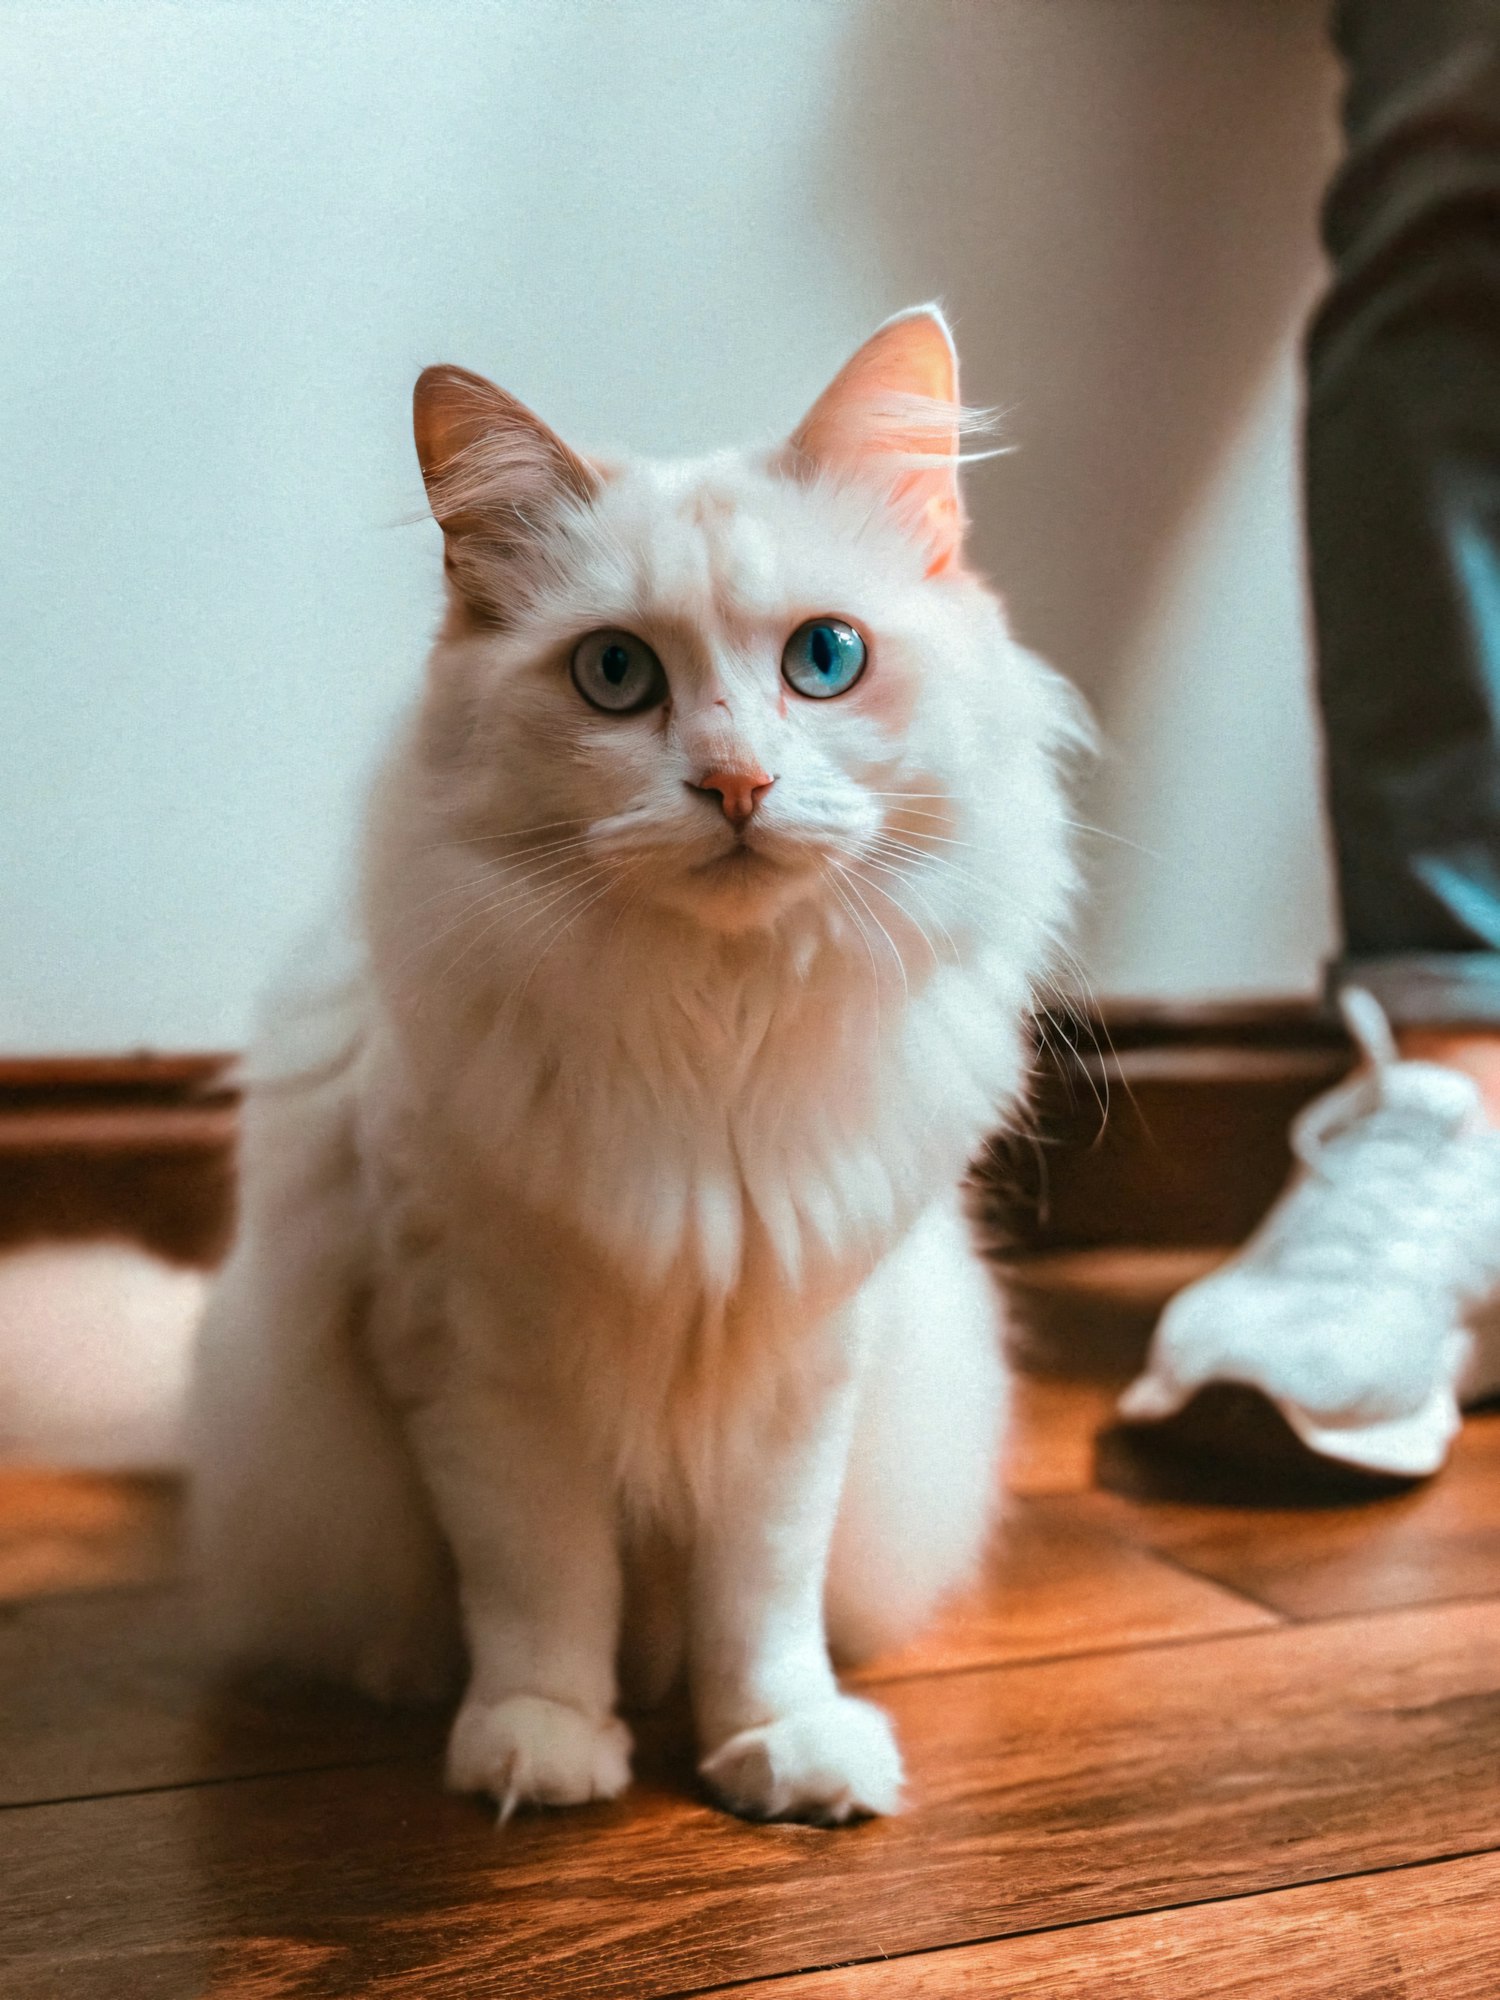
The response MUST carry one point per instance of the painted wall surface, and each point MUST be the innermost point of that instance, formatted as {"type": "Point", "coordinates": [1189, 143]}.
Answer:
{"type": "Point", "coordinates": [232, 233]}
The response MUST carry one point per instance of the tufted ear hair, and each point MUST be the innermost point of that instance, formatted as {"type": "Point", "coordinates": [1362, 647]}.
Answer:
{"type": "Point", "coordinates": [495, 474]}
{"type": "Point", "coordinates": [891, 416]}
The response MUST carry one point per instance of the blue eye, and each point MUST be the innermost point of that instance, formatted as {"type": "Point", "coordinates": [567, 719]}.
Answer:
{"type": "Point", "coordinates": [617, 672]}
{"type": "Point", "coordinates": [824, 657]}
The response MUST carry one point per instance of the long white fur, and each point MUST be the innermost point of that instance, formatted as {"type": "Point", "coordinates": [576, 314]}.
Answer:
{"type": "Point", "coordinates": [608, 1256]}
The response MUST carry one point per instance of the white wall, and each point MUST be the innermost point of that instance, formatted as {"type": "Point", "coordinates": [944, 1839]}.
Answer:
{"type": "Point", "coordinates": [232, 233]}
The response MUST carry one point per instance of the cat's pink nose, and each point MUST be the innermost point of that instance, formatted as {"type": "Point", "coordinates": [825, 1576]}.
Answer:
{"type": "Point", "coordinates": [740, 792]}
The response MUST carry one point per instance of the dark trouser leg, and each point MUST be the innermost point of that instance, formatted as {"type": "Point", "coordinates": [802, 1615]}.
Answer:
{"type": "Point", "coordinates": [1403, 503]}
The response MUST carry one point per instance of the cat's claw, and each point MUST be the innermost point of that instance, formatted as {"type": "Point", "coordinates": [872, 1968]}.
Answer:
{"type": "Point", "coordinates": [829, 1763]}
{"type": "Point", "coordinates": [527, 1750]}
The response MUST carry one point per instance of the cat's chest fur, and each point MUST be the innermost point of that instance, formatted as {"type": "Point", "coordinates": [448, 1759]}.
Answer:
{"type": "Point", "coordinates": [745, 1134]}
{"type": "Point", "coordinates": [662, 1211]}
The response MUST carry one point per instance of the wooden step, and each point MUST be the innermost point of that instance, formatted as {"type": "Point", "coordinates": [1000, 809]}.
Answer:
{"type": "Point", "coordinates": [1054, 1794]}
{"type": "Point", "coordinates": [1149, 1126]}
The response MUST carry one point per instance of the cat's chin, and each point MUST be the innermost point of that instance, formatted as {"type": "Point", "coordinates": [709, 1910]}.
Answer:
{"type": "Point", "coordinates": [741, 889]}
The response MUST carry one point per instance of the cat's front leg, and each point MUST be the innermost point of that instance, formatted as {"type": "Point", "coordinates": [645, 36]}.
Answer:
{"type": "Point", "coordinates": [530, 1522]}
{"type": "Point", "coordinates": [780, 1740]}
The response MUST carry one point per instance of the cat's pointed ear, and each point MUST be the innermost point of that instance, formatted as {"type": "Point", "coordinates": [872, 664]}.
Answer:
{"type": "Point", "coordinates": [494, 473]}
{"type": "Point", "coordinates": [892, 416]}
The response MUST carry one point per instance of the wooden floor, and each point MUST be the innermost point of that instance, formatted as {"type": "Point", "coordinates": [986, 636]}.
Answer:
{"type": "Point", "coordinates": [1173, 1748]}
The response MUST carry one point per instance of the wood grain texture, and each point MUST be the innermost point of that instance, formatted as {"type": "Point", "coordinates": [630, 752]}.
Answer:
{"type": "Point", "coordinates": [1193, 1150]}
{"type": "Point", "coordinates": [1056, 1585]}
{"type": "Point", "coordinates": [1146, 1803]}
{"type": "Point", "coordinates": [68, 1531]}
{"type": "Point", "coordinates": [1043, 1795]}
{"type": "Point", "coordinates": [144, 1076]}
{"type": "Point", "coordinates": [1437, 1542]}
{"type": "Point", "coordinates": [1176, 1144]}
{"type": "Point", "coordinates": [107, 1692]}
{"type": "Point", "coordinates": [1053, 1426]}
{"type": "Point", "coordinates": [139, 1146]}
{"type": "Point", "coordinates": [1412, 1934]}
{"type": "Point", "coordinates": [1088, 1314]}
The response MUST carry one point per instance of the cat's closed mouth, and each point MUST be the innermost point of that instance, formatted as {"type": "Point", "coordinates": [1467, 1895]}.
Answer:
{"type": "Point", "coordinates": [741, 858]}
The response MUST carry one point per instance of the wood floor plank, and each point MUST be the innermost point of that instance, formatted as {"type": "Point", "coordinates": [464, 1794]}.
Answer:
{"type": "Point", "coordinates": [64, 1531]}
{"type": "Point", "coordinates": [107, 1692]}
{"type": "Point", "coordinates": [1438, 1542]}
{"type": "Point", "coordinates": [1042, 1795]}
{"type": "Point", "coordinates": [1089, 1313]}
{"type": "Point", "coordinates": [1055, 1584]}
{"type": "Point", "coordinates": [1053, 1427]}
{"type": "Point", "coordinates": [1430, 1933]}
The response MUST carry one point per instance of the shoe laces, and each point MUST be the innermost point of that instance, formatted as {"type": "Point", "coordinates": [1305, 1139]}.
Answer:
{"type": "Point", "coordinates": [1398, 1184]}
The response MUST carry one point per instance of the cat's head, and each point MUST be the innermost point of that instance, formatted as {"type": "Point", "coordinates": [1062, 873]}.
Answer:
{"type": "Point", "coordinates": [735, 687]}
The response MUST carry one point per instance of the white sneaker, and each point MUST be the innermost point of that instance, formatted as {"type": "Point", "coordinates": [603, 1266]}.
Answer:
{"type": "Point", "coordinates": [1346, 1308]}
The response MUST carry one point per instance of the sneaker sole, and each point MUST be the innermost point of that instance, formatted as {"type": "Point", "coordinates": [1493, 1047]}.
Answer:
{"type": "Point", "coordinates": [1232, 1442]}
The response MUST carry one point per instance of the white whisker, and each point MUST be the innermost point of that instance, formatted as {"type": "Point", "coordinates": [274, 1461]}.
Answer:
{"type": "Point", "coordinates": [895, 948]}
{"type": "Point", "coordinates": [864, 938]}
{"type": "Point", "coordinates": [889, 868]}
{"type": "Point", "coordinates": [559, 930]}
{"type": "Point", "coordinates": [487, 928]}
{"type": "Point", "coordinates": [1103, 833]}
{"type": "Point", "coordinates": [510, 832]}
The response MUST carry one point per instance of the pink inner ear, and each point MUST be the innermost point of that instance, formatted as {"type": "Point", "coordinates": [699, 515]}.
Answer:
{"type": "Point", "coordinates": [871, 417]}
{"type": "Point", "coordinates": [910, 358]}
{"type": "Point", "coordinates": [942, 526]}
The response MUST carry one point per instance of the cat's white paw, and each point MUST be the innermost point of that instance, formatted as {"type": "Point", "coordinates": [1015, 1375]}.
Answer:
{"type": "Point", "coordinates": [527, 1750]}
{"type": "Point", "coordinates": [829, 1763]}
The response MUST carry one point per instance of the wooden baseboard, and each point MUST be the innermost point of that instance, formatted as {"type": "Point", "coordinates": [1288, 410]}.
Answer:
{"type": "Point", "coordinates": [140, 1146]}
{"type": "Point", "coordinates": [1148, 1126]}
{"type": "Point", "coordinates": [1161, 1126]}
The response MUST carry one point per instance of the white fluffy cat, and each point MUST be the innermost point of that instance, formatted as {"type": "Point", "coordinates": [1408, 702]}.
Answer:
{"type": "Point", "coordinates": [607, 1282]}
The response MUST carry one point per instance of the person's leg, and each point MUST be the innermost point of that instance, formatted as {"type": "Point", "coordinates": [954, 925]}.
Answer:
{"type": "Point", "coordinates": [1344, 1311]}
{"type": "Point", "coordinates": [1403, 510]}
